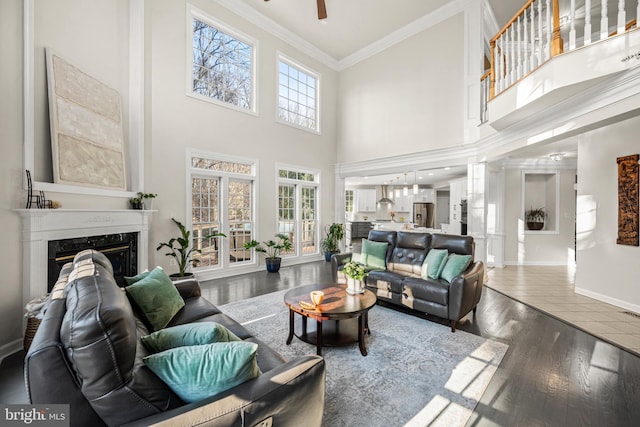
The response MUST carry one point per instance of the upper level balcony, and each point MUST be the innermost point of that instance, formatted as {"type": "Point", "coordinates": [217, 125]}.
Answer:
{"type": "Point", "coordinates": [553, 50]}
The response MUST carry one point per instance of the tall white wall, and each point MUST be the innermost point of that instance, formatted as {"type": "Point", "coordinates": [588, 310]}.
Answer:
{"type": "Point", "coordinates": [407, 99]}
{"type": "Point", "coordinates": [605, 270]}
{"type": "Point", "coordinates": [178, 122]}
{"type": "Point", "coordinates": [522, 248]}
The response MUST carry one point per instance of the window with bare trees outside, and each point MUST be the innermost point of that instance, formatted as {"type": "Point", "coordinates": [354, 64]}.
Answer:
{"type": "Point", "coordinates": [222, 63]}
{"type": "Point", "coordinates": [221, 201]}
{"type": "Point", "coordinates": [297, 95]}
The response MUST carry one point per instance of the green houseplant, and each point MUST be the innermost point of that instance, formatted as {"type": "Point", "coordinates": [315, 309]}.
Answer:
{"type": "Point", "coordinates": [331, 242]}
{"type": "Point", "coordinates": [272, 249]}
{"type": "Point", "coordinates": [355, 273]}
{"type": "Point", "coordinates": [147, 199]}
{"type": "Point", "coordinates": [180, 250]}
{"type": "Point", "coordinates": [535, 218]}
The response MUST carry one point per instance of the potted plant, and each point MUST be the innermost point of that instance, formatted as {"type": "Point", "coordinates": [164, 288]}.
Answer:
{"type": "Point", "coordinates": [272, 250]}
{"type": "Point", "coordinates": [136, 203]}
{"type": "Point", "coordinates": [535, 218]}
{"type": "Point", "coordinates": [331, 242]}
{"type": "Point", "coordinates": [355, 273]}
{"type": "Point", "coordinates": [147, 199]}
{"type": "Point", "coordinates": [180, 250]}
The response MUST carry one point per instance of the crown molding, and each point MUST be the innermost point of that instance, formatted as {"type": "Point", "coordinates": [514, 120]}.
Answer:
{"type": "Point", "coordinates": [421, 24]}
{"type": "Point", "coordinates": [450, 156]}
{"type": "Point", "coordinates": [261, 21]}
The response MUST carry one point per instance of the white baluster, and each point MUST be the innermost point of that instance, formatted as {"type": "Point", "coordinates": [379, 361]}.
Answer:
{"type": "Point", "coordinates": [540, 35]}
{"type": "Point", "coordinates": [512, 53]}
{"type": "Point", "coordinates": [497, 69]}
{"type": "Point", "coordinates": [572, 30]}
{"type": "Point", "coordinates": [507, 57]}
{"type": "Point", "coordinates": [587, 22]}
{"type": "Point", "coordinates": [533, 36]}
{"type": "Point", "coordinates": [501, 62]}
{"type": "Point", "coordinates": [604, 21]}
{"type": "Point", "coordinates": [525, 45]}
{"type": "Point", "coordinates": [622, 17]}
{"type": "Point", "coordinates": [549, 30]}
{"type": "Point", "coordinates": [519, 49]}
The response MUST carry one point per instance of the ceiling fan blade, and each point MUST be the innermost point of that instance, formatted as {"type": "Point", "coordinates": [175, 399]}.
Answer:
{"type": "Point", "coordinates": [322, 10]}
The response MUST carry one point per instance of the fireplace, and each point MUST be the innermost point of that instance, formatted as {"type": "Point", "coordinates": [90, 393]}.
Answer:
{"type": "Point", "coordinates": [121, 249]}
{"type": "Point", "coordinates": [40, 227]}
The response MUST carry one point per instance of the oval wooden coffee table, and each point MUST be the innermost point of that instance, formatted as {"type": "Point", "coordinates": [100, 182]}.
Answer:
{"type": "Point", "coordinates": [334, 316]}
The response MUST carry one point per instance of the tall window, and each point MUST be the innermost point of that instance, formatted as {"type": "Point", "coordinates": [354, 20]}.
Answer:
{"type": "Point", "coordinates": [348, 201]}
{"type": "Point", "coordinates": [298, 209]}
{"type": "Point", "coordinates": [221, 201]}
{"type": "Point", "coordinates": [298, 95]}
{"type": "Point", "coordinates": [222, 63]}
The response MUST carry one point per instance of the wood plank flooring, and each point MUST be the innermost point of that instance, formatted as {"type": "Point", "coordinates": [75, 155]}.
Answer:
{"type": "Point", "coordinates": [553, 374]}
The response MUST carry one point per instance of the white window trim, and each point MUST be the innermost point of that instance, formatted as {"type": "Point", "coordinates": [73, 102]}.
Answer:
{"type": "Point", "coordinates": [284, 58]}
{"type": "Point", "coordinates": [194, 12]}
{"type": "Point", "coordinates": [317, 184]}
{"type": "Point", "coordinates": [224, 269]}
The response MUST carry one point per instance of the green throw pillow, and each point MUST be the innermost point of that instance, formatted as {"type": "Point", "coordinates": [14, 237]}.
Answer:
{"type": "Point", "coordinates": [374, 253]}
{"type": "Point", "coordinates": [189, 334]}
{"type": "Point", "coordinates": [199, 371]}
{"type": "Point", "coordinates": [434, 263]}
{"type": "Point", "coordinates": [157, 298]}
{"type": "Point", "coordinates": [136, 278]}
{"type": "Point", "coordinates": [456, 264]}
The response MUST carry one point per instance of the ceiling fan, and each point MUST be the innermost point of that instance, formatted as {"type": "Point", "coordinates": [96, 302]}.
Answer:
{"type": "Point", "coordinates": [322, 9]}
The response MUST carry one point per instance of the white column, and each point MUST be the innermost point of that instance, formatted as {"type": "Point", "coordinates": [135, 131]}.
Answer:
{"type": "Point", "coordinates": [476, 214]}
{"type": "Point", "coordinates": [604, 21]}
{"type": "Point", "coordinates": [587, 22]}
{"type": "Point", "coordinates": [532, 23]}
{"type": "Point", "coordinates": [572, 30]}
{"type": "Point", "coordinates": [622, 17]}
{"type": "Point", "coordinates": [494, 206]}
{"type": "Point", "coordinates": [549, 31]}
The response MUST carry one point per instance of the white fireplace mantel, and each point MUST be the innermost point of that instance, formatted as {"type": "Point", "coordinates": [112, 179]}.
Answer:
{"type": "Point", "coordinates": [39, 226]}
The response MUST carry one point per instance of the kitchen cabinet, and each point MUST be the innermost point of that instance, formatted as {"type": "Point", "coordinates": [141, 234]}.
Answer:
{"type": "Point", "coordinates": [366, 199]}
{"type": "Point", "coordinates": [403, 204]}
{"type": "Point", "coordinates": [425, 195]}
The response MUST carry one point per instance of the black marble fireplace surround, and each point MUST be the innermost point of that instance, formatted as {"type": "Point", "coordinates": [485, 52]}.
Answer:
{"type": "Point", "coordinates": [121, 249]}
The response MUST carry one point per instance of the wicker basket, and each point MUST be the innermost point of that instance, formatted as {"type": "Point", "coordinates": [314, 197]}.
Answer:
{"type": "Point", "coordinates": [32, 326]}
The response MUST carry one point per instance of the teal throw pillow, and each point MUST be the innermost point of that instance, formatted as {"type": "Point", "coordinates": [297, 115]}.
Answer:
{"type": "Point", "coordinates": [189, 334]}
{"type": "Point", "coordinates": [375, 253]}
{"type": "Point", "coordinates": [156, 297]}
{"type": "Point", "coordinates": [456, 264]}
{"type": "Point", "coordinates": [199, 371]}
{"type": "Point", "coordinates": [136, 278]}
{"type": "Point", "coordinates": [434, 263]}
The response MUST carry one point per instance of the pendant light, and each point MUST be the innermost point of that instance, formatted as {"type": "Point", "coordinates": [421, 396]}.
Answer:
{"type": "Point", "coordinates": [405, 189]}
{"type": "Point", "coordinates": [397, 189]}
{"type": "Point", "coordinates": [415, 183]}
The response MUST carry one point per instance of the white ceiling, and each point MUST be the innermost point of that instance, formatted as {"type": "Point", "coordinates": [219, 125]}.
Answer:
{"type": "Point", "coordinates": [353, 25]}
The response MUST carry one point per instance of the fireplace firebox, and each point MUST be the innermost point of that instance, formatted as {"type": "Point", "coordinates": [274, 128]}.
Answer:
{"type": "Point", "coordinates": [121, 249]}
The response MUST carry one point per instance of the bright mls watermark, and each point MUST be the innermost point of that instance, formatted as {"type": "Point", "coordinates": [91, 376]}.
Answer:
{"type": "Point", "coordinates": [34, 415]}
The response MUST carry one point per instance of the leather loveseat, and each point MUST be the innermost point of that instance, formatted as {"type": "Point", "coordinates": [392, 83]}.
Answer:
{"type": "Point", "coordinates": [401, 282]}
{"type": "Point", "coordinates": [88, 353]}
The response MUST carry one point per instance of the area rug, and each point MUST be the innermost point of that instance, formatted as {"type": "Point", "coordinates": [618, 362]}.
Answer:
{"type": "Point", "coordinates": [416, 373]}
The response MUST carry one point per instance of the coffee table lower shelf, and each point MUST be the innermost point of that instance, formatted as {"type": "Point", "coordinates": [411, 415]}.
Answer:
{"type": "Point", "coordinates": [335, 333]}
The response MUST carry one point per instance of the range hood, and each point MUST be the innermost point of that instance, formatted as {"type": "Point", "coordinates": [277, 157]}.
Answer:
{"type": "Point", "coordinates": [385, 200]}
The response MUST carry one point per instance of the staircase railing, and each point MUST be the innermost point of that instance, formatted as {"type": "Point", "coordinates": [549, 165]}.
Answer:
{"type": "Point", "coordinates": [535, 34]}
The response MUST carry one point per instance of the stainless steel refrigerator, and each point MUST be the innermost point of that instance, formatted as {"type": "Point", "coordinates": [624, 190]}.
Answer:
{"type": "Point", "coordinates": [423, 214]}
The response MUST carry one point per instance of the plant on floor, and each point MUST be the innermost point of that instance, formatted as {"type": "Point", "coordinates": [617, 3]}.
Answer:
{"type": "Point", "coordinates": [180, 250]}
{"type": "Point", "coordinates": [331, 242]}
{"type": "Point", "coordinates": [272, 249]}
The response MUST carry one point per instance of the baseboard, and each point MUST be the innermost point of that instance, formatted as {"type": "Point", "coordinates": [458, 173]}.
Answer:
{"type": "Point", "coordinates": [539, 263]}
{"type": "Point", "coordinates": [10, 348]}
{"type": "Point", "coordinates": [609, 300]}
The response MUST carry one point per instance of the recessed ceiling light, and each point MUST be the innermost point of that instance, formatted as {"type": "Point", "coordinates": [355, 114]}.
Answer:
{"type": "Point", "coordinates": [447, 168]}
{"type": "Point", "coordinates": [431, 174]}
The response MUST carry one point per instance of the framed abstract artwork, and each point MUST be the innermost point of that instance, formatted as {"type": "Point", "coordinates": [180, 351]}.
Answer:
{"type": "Point", "coordinates": [87, 135]}
{"type": "Point", "coordinates": [628, 200]}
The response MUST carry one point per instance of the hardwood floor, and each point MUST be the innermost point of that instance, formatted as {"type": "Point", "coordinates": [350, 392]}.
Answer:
{"type": "Point", "coordinates": [552, 375]}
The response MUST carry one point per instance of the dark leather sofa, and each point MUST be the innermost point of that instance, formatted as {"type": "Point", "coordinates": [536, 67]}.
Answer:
{"type": "Point", "coordinates": [401, 283]}
{"type": "Point", "coordinates": [87, 353]}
